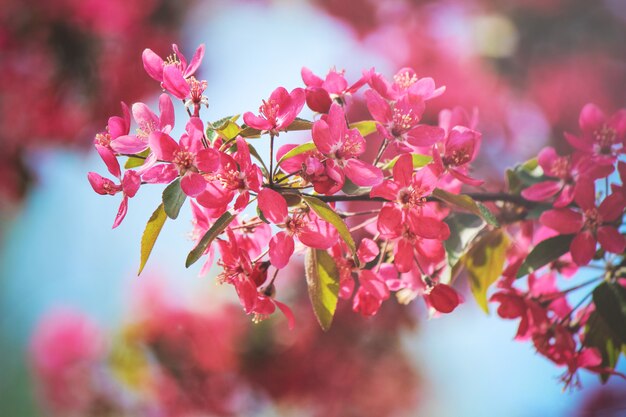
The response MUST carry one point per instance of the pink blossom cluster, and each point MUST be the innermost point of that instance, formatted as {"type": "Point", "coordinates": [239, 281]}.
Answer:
{"type": "Point", "coordinates": [401, 243]}
{"type": "Point", "coordinates": [380, 205]}
{"type": "Point", "coordinates": [583, 207]}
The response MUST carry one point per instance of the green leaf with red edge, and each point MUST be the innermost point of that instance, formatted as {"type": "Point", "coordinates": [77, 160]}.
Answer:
{"type": "Point", "coordinates": [467, 203]}
{"type": "Point", "coordinates": [544, 252]}
{"type": "Point", "coordinates": [325, 212]}
{"type": "Point", "coordinates": [298, 150]}
{"type": "Point", "coordinates": [484, 262]}
{"type": "Point", "coordinates": [214, 231]}
{"type": "Point", "coordinates": [322, 277]}
{"type": "Point", "coordinates": [150, 235]}
{"type": "Point", "coordinates": [365, 127]}
{"type": "Point", "coordinates": [173, 199]}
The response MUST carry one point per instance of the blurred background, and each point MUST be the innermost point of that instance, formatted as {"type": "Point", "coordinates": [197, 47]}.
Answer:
{"type": "Point", "coordinates": [81, 334]}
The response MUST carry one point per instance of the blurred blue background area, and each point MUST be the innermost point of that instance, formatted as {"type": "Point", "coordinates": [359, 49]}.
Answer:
{"type": "Point", "coordinates": [58, 249]}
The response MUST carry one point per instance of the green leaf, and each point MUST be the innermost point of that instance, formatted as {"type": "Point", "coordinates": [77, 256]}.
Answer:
{"type": "Point", "coordinates": [137, 161]}
{"type": "Point", "coordinates": [467, 203]}
{"type": "Point", "coordinates": [326, 213]}
{"type": "Point", "coordinates": [419, 161]}
{"type": "Point", "coordinates": [298, 150]}
{"type": "Point", "coordinates": [365, 127]}
{"type": "Point", "coordinates": [299, 124]}
{"type": "Point", "coordinates": [599, 335]}
{"type": "Point", "coordinates": [150, 234]}
{"type": "Point", "coordinates": [545, 252]}
{"type": "Point", "coordinates": [485, 262]}
{"type": "Point", "coordinates": [322, 277]}
{"type": "Point", "coordinates": [351, 188]}
{"type": "Point", "coordinates": [173, 199]}
{"type": "Point", "coordinates": [610, 301]}
{"type": "Point", "coordinates": [214, 231]}
{"type": "Point", "coordinates": [464, 227]}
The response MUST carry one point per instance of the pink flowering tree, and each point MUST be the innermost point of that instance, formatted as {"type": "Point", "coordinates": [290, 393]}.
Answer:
{"type": "Point", "coordinates": [388, 204]}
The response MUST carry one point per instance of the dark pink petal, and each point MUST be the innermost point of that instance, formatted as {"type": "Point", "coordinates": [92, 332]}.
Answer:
{"type": "Point", "coordinates": [443, 298]}
{"type": "Point", "coordinates": [128, 144]}
{"type": "Point", "coordinates": [163, 146]}
{"type": "Point", "coordinates": [318, 99]}
{"type": "Point", "coordinates": [565, 198]}
{"type": "Point", "coordinates": [378, 107]}
{"type": "Point", "coordinates": [362, 173]}
{"type": "Point", "coordinates": [387, 190]}
{"type": "Point", "coordinates": [117, 126]}
{"type": "Point", "coordinates": [195, 62]}
{"type": "Point", "coordinates": [381, 86]}
{"type": "Point", "coordinates": [463, 142]}
{"type": "Point", "coordinates": [131, 183]}
{"type": "Point", "coordinates": [425, 135]}
{"type": "Point", "coordinates": [145, 118]}
{"type": "Point", "coordinates": [541, 191]}
{"type": "Point", "coordinates": [318, 235]}
{"type": "Point", "coordinates": [428, 227]}
{"type": "Point", "coordinates": [585, 194]}
{"type": "Point", "coordinates": [121, 212]}
{"type": "Point", "coordinates": [466, 179]}
{"type": "Point", "coordinates": [403, 255]}
{"type": "Point", "coordinates": [337, 124]}
{"type": "Point", "coordinates": [280, 249]}
{"type": "Point", "coordinates": [546, 159]}
{"type": "Point", "coordinates": [368, 250]}
{"type": "Point", "coordinates": [323, 139]}
{"type": "Point", "coordinates": [242, 201]}
{"type": "Point", "coordinates": [181, 57]}
{"type": "Point", "coordinates": [243, 154]}
{"type": "Point", "coordinates": [192, 138]}
{"type": "Point", "coordinates": [583, 247]}
{"type": "Point", "coordinates": [591, 118]}
{"type": "Point", "coordinates": [193, 184]}
{"type": "Point", "coordinates": [403, 170]}
{"type": "Point", "coordinates": [578, 143]}
{"type": "Point", "coordinates": [101, 185]}
{"type": "Point", "coordinates": [432, 250]}
{"type": "Point", "coordinates": [373, 284]}
{"type": "Point", "coordinates": [589, 358]}
{"type": "Point", "coordinates": [291, 321]}
{"type": "Point", "coordinates": [153, 64]}
{"type": "Point", "coordinates": [175, 83]}
{"type": "Point", "coordinates": [611, 240]}
{"type": "Point", "coordinates": [564, 221]}
{"type": "Point", "coordinates": [208, 160]}
{"type": "Point", "coordinates": [166, 108]}
{"type": "Point", "coordinates": [335, 83]}
{"type": "Point", "coordinates": [109, 160]}
{"type": "Point", "coordinates": [257, 122]}
{"type": "Point", "coordinates": [310, 79]}
{"type": "Point", "coordinates": [390, 222]}
{"type": "Point", "coordinates": [612, 207]}
{"type": "Point", "coordinates": [272, 205]}
{"type": "Point", "coordinates": [160, 174]}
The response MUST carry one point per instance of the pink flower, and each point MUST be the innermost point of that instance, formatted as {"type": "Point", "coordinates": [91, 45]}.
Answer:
{"type": "Point", "coordinates": [188, 158]}
{"type": "Point", "coordinates": [400, 119]}
{"type": "Point", "coordinates": [334, 140]}
{"type": "Point", "coordinates": [249, 281]}
{"type": "Point", "coordinates": [602, 138]}
{"type": "Point", "coordinates": [590, 225]}
{"type": "Point", "coordinates": [320, 94]}
{"type": "Point", "coordinates": [236, 174]}
{"type": "Point", "coordinates": [148, 123]}
{"type": "Point", "coordinates": [129, 184]}
{"type": "Point", "coordinates": [455, 152]}
{"type": "Point", "coordinates": [564, 172]}
{"type": "Point", "coordinates": [116, 127]}
{"type": "Point", "coordinates": [278, 112]}
{"type": "Point", "coordinates": [310, 229]}
{"type": "Point", "coordinates": [174, 73]}
{"type": "Point", "coordinates": [405, 82]}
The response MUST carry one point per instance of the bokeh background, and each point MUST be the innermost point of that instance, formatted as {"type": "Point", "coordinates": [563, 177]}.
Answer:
{"type": "Point", "coordinates": [528, 66]}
